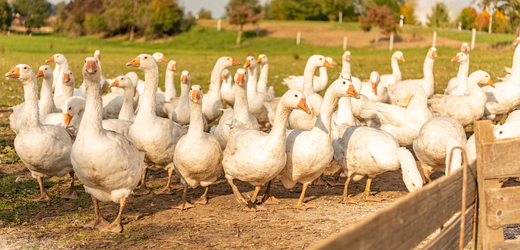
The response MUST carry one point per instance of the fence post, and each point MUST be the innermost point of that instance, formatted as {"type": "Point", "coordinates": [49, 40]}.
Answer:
{"type": "Point", "coordinates": [474, 31]}
{"type": "Point", "coordinates": [434, 38]}
{"type": "Point", "coordinates": [391, 41]}
{"type": "Point", "coordinates": [340, 17]}
{"type": "Point", "coordinates": [218, 24]}
{"type": "Point", "coordinates": [298, 38]}
{"type": "Point", "coordinates": [8, 33]}
{"type": "Point", "coordinates": [401, 21]}
{"type": "Point", "coordinates": [345, 43]}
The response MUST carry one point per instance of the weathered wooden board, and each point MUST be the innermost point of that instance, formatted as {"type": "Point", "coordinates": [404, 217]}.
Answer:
{"type": "Point", "coordinates": [505, 245]}
{"type": "Point", "coordinates": [409, 221]}
{"type": "Point", "coordinates": [449, 238]}
{"type": "Point", "coordinates": [501, 158]}
{"type": "Point", "coordinates": [503, 206]}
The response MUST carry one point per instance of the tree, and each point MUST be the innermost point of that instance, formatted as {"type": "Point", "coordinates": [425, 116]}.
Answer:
{"type": "Point", "coordinates": [393, 5]}
{"type": "Point", "coordinates": [439, 18]}
{"type": "Point", "coordinates": [408, 12]}
{"type": "Point", "coordinates": [241, 12]}
{"type": "Point", "coordinates": [33, 11]}
{"type": "Point", "coordinates": [297, 10]}
{"type": "Point", "coordinates": [204, 14]}
{"type": "Point", "coordinates": [167, 17]}
{"type": "Point", "coordinates": [467, 18]}
{"type": "Point", "coordinates": [331, 8]}
{"type": "Point", "coordinates": [500, 22]}
{"type": "Point", "coordinates": [380, 17]}
{"type": "Point", "coordinates": [6, 16]}
{"type": "Point", "coordinates": [482, 21]}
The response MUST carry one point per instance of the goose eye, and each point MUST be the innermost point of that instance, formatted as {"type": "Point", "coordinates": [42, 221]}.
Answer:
{"type": "Point", "coordinates": [501, 132]}
{"type": "Point", "coordinates": [295, 95]}
{"type": "Point", "coordinates": [344, 82]}
{"type": "Point", "coordinates": [145, 57]}
{"type": "Point", "coordinates": [321, 59]}
{"type": "Point", "coordinates": [24, 67]}
{"type": "Point", "coordinates": [70, 108]}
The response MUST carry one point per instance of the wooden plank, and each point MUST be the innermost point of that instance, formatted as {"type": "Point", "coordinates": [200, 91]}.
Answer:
{"type": "Point", "coordinates": [503, 205]}
{"type": "Point", "coordinates": [501, 158]}
{"type": "Point", "coordinates": [484, 133]}
{"type": "Point", "coordinates": [505, 245]}
{"type": "Point", "coordinates": [409, 221]}
{"type": "Point", "coordinates": [449, 236]}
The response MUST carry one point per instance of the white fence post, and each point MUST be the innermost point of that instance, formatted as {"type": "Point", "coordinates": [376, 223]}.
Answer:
{"type": "Point", "coordinates": [434, 38]}
{"type": "Point", "coordinates": [219, 24]}
{"type": "Point", "coordinates": [345, 43]}
{"type": "Point", "coordinates": [340, 17]}
{"type": "Point", "coordinates": [401, 22]}
{"type": "Point", "coordinates": [474, 31]}
{"type": "Point", "coordinates": [298, 38]}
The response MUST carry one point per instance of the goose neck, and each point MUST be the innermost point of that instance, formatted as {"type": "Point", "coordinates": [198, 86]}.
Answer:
{"type": "Point", "coordinates": [345, 115]}
{"type": "Point", "coordinates": [252, 89]}
{"type": "Point", "coordinates": [196, 128]}
{"type": "Point", "coordinates": [30, 113]}
{"type": "Point", "coordinates": [127, 110]}
{"type": "Point", "coordinates": [47, 105]}
{"type": "Point", "coordinates": [147, 107]}
{"type": "Point", "coordinates": [214, 85]}
{"type": "Point", "coordinates": [92, 117]}
{"type": "Point", "coordinates": [308, 78]}
{"type": "Point", "coordinates": [345, 66]}
{"type": "Point", "coordinates": [395, 68]}
{"type": "Point", "coordinates": [280, 123]}
{"type": "Point", "coordinates": [169, 85]}
{"type": "Point", "coordinates": [515, 72]}
{"type": "Point", "coordinates": [241, 108]}
{"type": "Point", "coordinates": [68, 90]}
{"type": "Point", "coordinates": [262, 81]}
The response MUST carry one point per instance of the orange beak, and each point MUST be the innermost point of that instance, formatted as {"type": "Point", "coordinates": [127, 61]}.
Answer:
{"type": "Point", "coordinates": [223, 76]}
{"type": "Point", "coordinates": [434, 54]}
{"type": "Point", "coordinates": [67, 119]}
{"type": "Point", "coordinates": [14, 73]}
{"type": "Point", "coordinates": [51, 59]}
{"type": "Point", "coordinates": [91, 68]}
{"type": "Point", "coordinates": [464, 48]}
{"type": "Point", "coordinates": [195, 95]}
{"type": "Point", "coordinates": [163, 59]}
{"type": "Point", "coordinates": [134, 63]}
{"type": "Point", "coordinates": [135, 91]}
{"type": "Point", "coordinates": [490, 82]}
{"type": "Point", "coordinates": [303, 106]}
{"type": "Point", "coordinates": [247, 64]}
{"type": "Point", "coordinates": [333, 62]}
{"type": "Point", "coordinates": [374, 86]}
{"type": "Point", "coordinates": [184, 78]}
{"type": "Point", "coordinates": [455, 59]}
{"type": "Point", "coordinates": [259, 60]}
{"type": "Point", "coordinates": [347, 57]}
{"type": "Point", "coordinates": [40, 73]}
{"type": "Point", "coordinates": [235, 63]}
{"type": "Point", "coordinates": [240, 79]}
{"type": "Point", "coordinates": [517, 41]}
{"type": "Point", "coordinates": [327, 64]}
{"type": "Point", "coordinates": [401, 58]}
{"type": "Point", "coordinates": [66, 77]}
{"type": "Point", "coordinates": [115, 83]}
{"type": "Point", "coordinates": [352, 92]}
{"type": "Point", "coordinates": [174, 66]}
{"type": "Point", "coordinates": [402, 106]}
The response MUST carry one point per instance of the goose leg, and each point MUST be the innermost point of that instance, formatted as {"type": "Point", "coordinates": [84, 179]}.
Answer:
{"type": "Point", "coordinates": [238, 195]}
{"type": "Point", "coordinates": [426, 173]}
{"type": "Point", "coordinates": [72, 191]}
{"type": "Point", "coordinates": [268, 196]}
{"type": "Point", "coordinates": [43, 194]}
{"type": "Point", "coordinates": [99, 222]}
{"type": "Point", "coordinates": [142, 190]}
{"type": "Point", "coordinates": [346, 199]}
{"type": "Point", "coordinates": [299, 204]}
{"type": "Point", "coordinates": [366, 195]}
{"type": "Point", "coordinates": [184, 204]}
{"type": "Point", "coordinates": [167, 189]}
{"type": "Point", "coordinates": [251, 204]}
{"type": "Point", "coordinates": [203, 199]}
{"type": "Point", "coordinates": [115, 226]}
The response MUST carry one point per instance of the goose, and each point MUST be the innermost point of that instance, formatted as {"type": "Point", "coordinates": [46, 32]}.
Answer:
{"type": "Point", "coordinates": [369, 151]}
{"type": "Point", "coordinates": [347, 72]}
{"type": "Point", "coordinates": [67, 88]}
{"type": "Point", "coordinates": [404, 120]}
{"type": "Point", "coordinates": [427, 83]}
{"type": "Point", "coordinates": [437, 137]}
{"type": "Point", "coordinates": [179, 109]}
{"type": "Point", "coordinates": [239, 113]}
{"type": "Point", "coordinates": [127, 109]}
{"type": "Point", "coordinates": [468, 108]}
{"type": "Point", "coordinates": [227, 91]}
{"type": "Point", "coordinates": [257, 157]}
{"type": "Point", "coordinates": [310, 151]}
{"type": "Point", "coordinates": [160, 96]}
{"type": "Point", "coordinates": [458, 85]}
{"type": "Point", "coordinates": [44, 149]}
{"type": "Point", "coordinates": [62, 64]}
{"type": "Point", "coordinates": [504, 97]}
{"type": "Point", "coordinates": [264, 72]}
{"type": "Point", "coordinates": [107, 163]}
{"type": "Point", "coordinates": [373, 90]}
{"type": "Point", "coordinates": [159, 57]}
{"type": "Point", "coordinates": [297, 119]}
{"type": "Point", "coordinates": [212, 103]}
{"type": "Point", "coordinates": [396, 76]}
{"type": "Point", "coordinates": [255, 99]}
{"type": "Point", "coordinates": [113, 101]}
{"type": "Point", "coordinates": [319, 82]}
{"type": "Point", "coordinates": [155, 135]}
{"type": "Point", "coordinates": [169, 86]}
{"type": "Point", "coordinates": [197, 157]}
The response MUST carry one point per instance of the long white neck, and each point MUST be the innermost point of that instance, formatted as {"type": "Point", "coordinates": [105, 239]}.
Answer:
{"type": "Point", "coordinates": [345, 68]}
{"type": "Point", "coordinates": [308, 78]}
{"type": "Point", "coordinates": [214, 85]}
{"type": "Point", "coordinates": [515, 68]}
{"type": "Point", "coordinates": [252, 89]}
{"type": "Point", "coordinates": [68, 90]}
{"type": "Point", "coordinates": [345, 115]}
{"type": "Point", "coordinates": [278, 131]}
{"type": "Point", "coordinates": [30, 114]}
{"type": "Point", "coordinates": [91, 122]}
{"type": "Point", "coordinates": [46, 101]}
{"type": "Point", "coordinates": [183, 99]}
{"type": "Point", "coordinates": [171, 92]}
{"type": "Point", "coordinates": [127, 110]}
{"type": "Point", "coordinates": [241, 108]}
{"type": "Point", "coordinates": [196, 128]}
{"type": "Point", "coordinates": [324, 77]}
{"type": "Point", "coordinates": [462, 77]}
{"type": "Point", "coordinates": [428, 74]}
{"type": "Point", "coordinates": [262, 81]}
{"type": "Point", "coordinates": [147, 106]}
{"type": "Point", "coordinates": [56, 74]}
{"type": "Point", "coordinates": [329, 104]}
{"type": "Point", "coordinates": [395, 69]}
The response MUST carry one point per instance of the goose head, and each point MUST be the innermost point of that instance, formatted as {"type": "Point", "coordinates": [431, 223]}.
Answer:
{"type": "Point", "coordinates": [331, 61]}
{"type": "Point", "coordinates": [72, 107]}
{"type": "Point", "coordinates": [159, 57]}
{"type": "Point", "coordinates": [346, 56]}
{"type": "Point", "coordinates": [185, 77]}
{"type": "Point", "coordinates": [465, 48]}
{"type": "Point", "coordinates": [122, 82]}
{"type": "Point", "coordinates": [250, 62]}
{"type": "Point", "coordinates": [57, 58]}
{"type": "Point", "coordinates": [294, 99]}
{"type": "Point", "coordinates": [343, 87]}
{"type": "Point", "coordinates": [460, 57]}
{"type": "Point", "coordinates": [68, 78]}
{"type": "Point", "coordinates": [375, 78]}
{"type": "Point", "coordinates": [432, 53]}
{"type": "Point", "coordinates": [507, 130]}
{"type": "Point", "coordinates": [241, 77]}
{"type": "Point", "coordinates": [91, 70]}
{"type": "Point", "coordinates": [398, 55]}
{"type": "Point", "coordinates": [225, 74]}
{"type": "Point", "coordinates": [97, 55]}
{"type": "Point", "coordinates": [45, 71]}
{"type": "Point", "coordinates": [481, 77]}
{"type": "Point", "coordinates": [22, 72]}
{"type": "Point", "coordinates": [517, 41]}
{"type": "Point", "coordinates": [143, 62]}
{"type": "Point", "coordinates": [227, 62]}
{"type": "Point", "coordinates": [319, 61]}
{"type": "Point", "coordinates": [172, 66]}
{"type": "Point", "coordinates": [407, 92]}
{"type": "Point", "coordinates": [262, 59]}
{"type": "Point", "coordinates": [196, 94]}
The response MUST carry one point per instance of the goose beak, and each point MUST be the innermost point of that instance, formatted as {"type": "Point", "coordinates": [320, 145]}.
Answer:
{"type": "Point", "coordinates": [184, 78]}
{"type": "Point", "coordinates": [66, 77]}
{"type": "Point", "coordinates": [352, 92]}
{"type": "Point", "coordinates": [235, 63]}
{"type": "Point", "coordinates": [115, 83]}
{"type": "Point", "coordinates": [240, 79]}
{"type": "Point", "coordinates": [347, 57]}
{"type": "Point", "coordinates": [195, 95]}
{"type": "Point", "coordinates": [163, 59]}
{"type": "Point", "coordinates": [40, 73]}
{"type": "Point", "coordinates": [51, 59]}
{"type": "Point", "coordinates": [517, 41]}
{"type": "Point", "coordinates": [247, 64]}
{"type": "Point", "coordinates": [259, 60]}
{"type": "Point", "coordinates": [403, 106]}
{"type": "Point", "coordinates": [464, 48]}
{"type": "Point", "coordinates": [223, 77]}
{"type": "Point", "coordinates": [434, 54]}
{"type": "Point", "coordinates": [327, 64]}
{"type": "Point", "coordinates": [90, 69]}
{"type": "Point", "coordinates": [455, 59]}
{"type": "Point", "coordinates": [14, 73]}
{"type": "Point", "coordinates": [67, 119]}
{"type": "Point", "coordinates": [174, 67]}
{"type": "Point", "coordinates": [490, 82]}
{"type": "Point", "coordinates": [401, 58]}
{"type": "Point", "coordinates": [135, 91]}
{"type": "Point", "coordinates": [374, 86]}
{"type": "Point", "coordinates": [134, 63]}
{"type": "Point", "coordinates": [303, 106]}
{"type": "Point", "coordinates": [333, 62]}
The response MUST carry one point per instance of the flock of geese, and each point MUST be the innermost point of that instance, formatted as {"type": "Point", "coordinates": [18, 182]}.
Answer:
{"type": "Point", "coordinates": [368, 127]}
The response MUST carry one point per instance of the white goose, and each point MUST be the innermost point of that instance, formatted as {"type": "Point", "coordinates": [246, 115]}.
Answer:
{"type": "Point", "coordinates": [178, 109]}
{"type": "Point", "coordinates": [264, 72]}
{"type": "Point", "coordinates": [467, 108]}
{"type": "Point", "coordinates": [347, 72]}
{"type": "Point", "coordinates": [127, 109]}
{"type": "Point", "coordinates": [107, 163]}
{"type": "Point", "coordinates": [169, 86]}
{"type": "Point", "coordinates": [159, 57]}
{"type": "Point", "coordinates": [227, 91]}
{"type": "Point", "coordinates": [396, 76]}
{"type": "Point", "coordinates": [239, 113]}
{"type": "Point", "coordinates": [458, 85]}
{"type": "Point", "coordinates": [256, 99]}
{"type": "Point", "coordinates": [212, 103]}
{"type": "Point", "coordinates": [160, 96]}
{"type": "Point", "coordinates": [154, 135]}
{"type": "Point", "coordinates": [438, 136]}
{"type": "Point", "coordinates": [309, 152]}
{"type": "Point", "coordinates": [197, 157]}
{"type": "Point", "coordinates": [61, 65]}
{"type": "Point", "coordinates": [257, 157]}
{"type": "Point", "coordinates": [44, 149]}
{"type": "Point", "coordinates": [319, 82]}
{"type": "Point", "coordinates": [67, 88]}
{"type": "Point", "coordinates": [373, 90]}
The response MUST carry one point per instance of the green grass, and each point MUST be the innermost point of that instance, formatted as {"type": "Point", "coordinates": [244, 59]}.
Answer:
{"type": "Point", "coordinates": [464, 35]}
